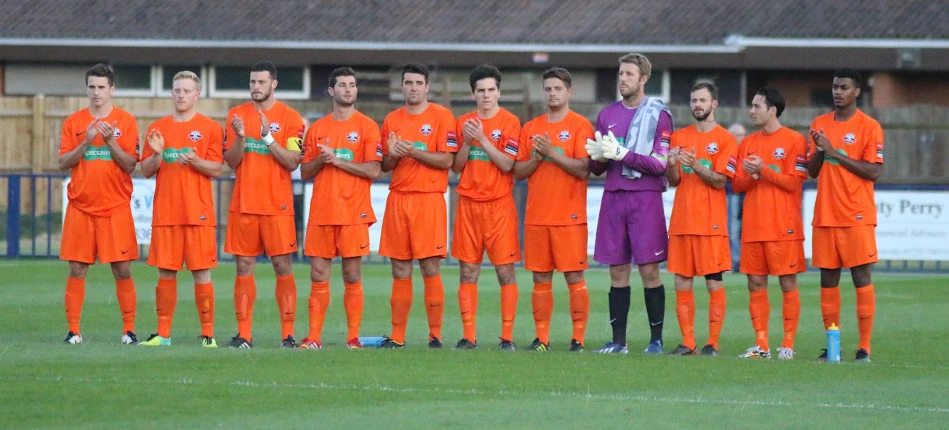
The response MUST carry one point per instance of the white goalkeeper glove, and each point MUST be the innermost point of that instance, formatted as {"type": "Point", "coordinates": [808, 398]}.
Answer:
{"type": "Point", "coordinates": [612, 149]}
{"type": "Point", "coordinates": [593, 147]}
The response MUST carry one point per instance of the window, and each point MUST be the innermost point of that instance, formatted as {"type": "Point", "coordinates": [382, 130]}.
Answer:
{"type": "Point", "coordinates": [233, 82]}
{"type": "Point", "coordinates": [134, 81]}
{"type": "Point", "coordinates": [168, 73]}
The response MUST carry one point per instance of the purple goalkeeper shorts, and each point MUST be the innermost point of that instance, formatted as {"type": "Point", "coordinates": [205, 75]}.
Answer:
{"type": "Point", "coordinates": [631, 228]}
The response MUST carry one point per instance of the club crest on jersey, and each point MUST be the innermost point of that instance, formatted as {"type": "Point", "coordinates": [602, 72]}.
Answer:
{"type": "Point", "coordinates": [564, 136]}
{"type": "Point", "coordinates": [352, 137]}
{"type": "Point", "coordinates": [274, 127]}
{"type": "Point", "coordinates": [779, 154]}
{"type": "Point", "coordinates": [194, 136]}
{"type": "Point", "coordinates": [712, 148]}
{"type": "Point", "coordinates": [426, 130]}
{"type": "Point", "coordinates": [116, 134]}
{"type": "Point", "coordinates": [496, 135]}
{"type": "Point", "coordinates": [850, 139]}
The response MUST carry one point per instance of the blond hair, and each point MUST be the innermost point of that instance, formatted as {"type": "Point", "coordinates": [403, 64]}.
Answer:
{"type": "Point", "coordinates": [187, 74]}
{"type": "Point", "coordinates": [645, 67]}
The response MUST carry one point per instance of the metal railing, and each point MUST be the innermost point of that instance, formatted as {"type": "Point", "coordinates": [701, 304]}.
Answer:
{"type": "Point", "coordinates": [31, 220]}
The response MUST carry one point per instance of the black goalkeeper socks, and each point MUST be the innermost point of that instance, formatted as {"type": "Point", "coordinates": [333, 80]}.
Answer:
{"type": "Point", "coordinates": [655, 310]}
{"type": "Point", "coordinates": [619, 311]}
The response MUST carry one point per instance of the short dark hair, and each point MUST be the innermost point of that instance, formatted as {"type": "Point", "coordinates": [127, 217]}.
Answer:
{"type": "Point", "coordinates": [341, 71]}
{"type": "Point", "coordinates": [101, 70]}
{"type": "Point", "coordinates": [418, 68]}
{"type": "Point", "coordinates": [265, 66]}
{"type": "Point", "coordinates": [712, 89]}
{"type": "Point", "coordinates": [772, 98]}
{"type": "Point", "coordinates": [484, 71]}
{"type": "Point", "coordinates": [559, 73]}
{"type": "Point", "coordinates": [854, 75]}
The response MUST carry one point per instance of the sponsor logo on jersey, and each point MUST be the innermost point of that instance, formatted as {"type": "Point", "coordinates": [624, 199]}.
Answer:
{"type": "Point", "coordinates": [344, 154]}
{"type": "Point", "coordinates": [512, 146]}
{"type": "Point", "coordinates": [93, 153]}
{"type": "Point", "coordinates": [170, 155]}
{"type": "Point", "coordinates": [663, 140]}
{"type": "Point", "coordinates": [732, 164]}
{"type": "Point", "coordinates": [452, 140]}
{"type": "Point", "coordinates": [800, 164]}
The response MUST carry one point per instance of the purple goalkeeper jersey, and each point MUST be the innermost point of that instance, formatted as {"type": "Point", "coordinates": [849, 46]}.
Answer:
{"type": "Point", "coordinates": [617, 118]}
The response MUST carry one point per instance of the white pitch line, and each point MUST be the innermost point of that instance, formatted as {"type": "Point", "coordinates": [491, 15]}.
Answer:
{"type": "Point", "coordinates": [587, 396]}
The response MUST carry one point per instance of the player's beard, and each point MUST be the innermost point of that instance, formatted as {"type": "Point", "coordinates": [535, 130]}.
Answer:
{"type": "Point", "coordinates": [261, 96]}
{"type": "Point", "coordinates": [629, 92]}
{"type": "Point", "coordinates": [702, 115]}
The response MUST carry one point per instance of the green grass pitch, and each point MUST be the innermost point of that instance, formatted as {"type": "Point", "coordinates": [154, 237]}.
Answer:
{"type": "Point", "coordinates": [103, 384]}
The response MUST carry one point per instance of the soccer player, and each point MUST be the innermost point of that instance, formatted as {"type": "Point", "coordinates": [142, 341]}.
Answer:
{"type": "Point", "coordinates": [772, 232]}
{"type": "Point", "coordinates": [846, 159]}
{"type": "Point", "coordinates": [262, 145]}
{"type": "Point", "coordinates": [701, 160]}
{"type": "Point", "coordinates": [632, 224]}
{"type": "Point", "coordinates": [487, 217]}
{"type": "Point", "coordinates": [184, 151]}
{"type": "Point", "coordinates": [99, 145]}
{"type": "Point", "coordinates": [343, 156]}
{"type": "Point", "coordinates": [418, 142]}
{"type": "Point", "coordinates": [554, 159]}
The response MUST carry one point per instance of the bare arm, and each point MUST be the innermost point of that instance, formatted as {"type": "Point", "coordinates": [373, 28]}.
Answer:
{"type": "Point", "coordinates": [435, 160]}
{"type": "Point", "coordinates": [579, 167]}
{"type": "Point", "coordinates": [286, 158]}
{"type": "Point", "coordinates": [123, 159]}
{"type": "Point", "coordinates": [151, 164]}
{"type": "Point", "coordinates": [500, 159]}
{"type": "Point", "coordinates": [713, 179]}
{"type": "Point", "coordinates": [310, 170]}
{"type": "Point", "coordinates": [672, 168]}
{"type": "Point", "coordinates": [70, 159]}
{"type": "Point", "coordinates": [524, 169]}
{"type": "Point", "coordinates": [815, 163]}
{"type": "Point", "coordinates": [369, 169]}
{"type": "Point", "coordinates": [461, 157]}
{"type": "Point", "coordinates": [389, 162]}
{"type": "Point", "coordinates": [863, 169]}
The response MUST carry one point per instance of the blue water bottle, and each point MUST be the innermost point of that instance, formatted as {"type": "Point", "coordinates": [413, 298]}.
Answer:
{"type": "Point", "coordinates": [371, 342]}
{"type": "Point", "coordinates": [833, 344]}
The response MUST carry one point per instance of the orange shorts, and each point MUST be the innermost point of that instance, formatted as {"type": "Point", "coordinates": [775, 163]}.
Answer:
{"type": "Point", "coordinates": [836, 247]}
{"type": "Point", "coordinates": [174, 245]}
{"type": "Point", "coordinates": [415, 226]}
{"type": "Point", "coordinates": [250, 235]}
{"type": "Point", "coordinates": [110, 238]}
{"type": "Point", "coordinates": [561, 247]}
{"type": "Point", "coordinates": [490, 226]}
{"type": "Point", "coordinates": [779, 258]}
{"type": "Point", "coordinates": [694, 255]}
{"type": "Point", "coordinates": [328, 241]}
